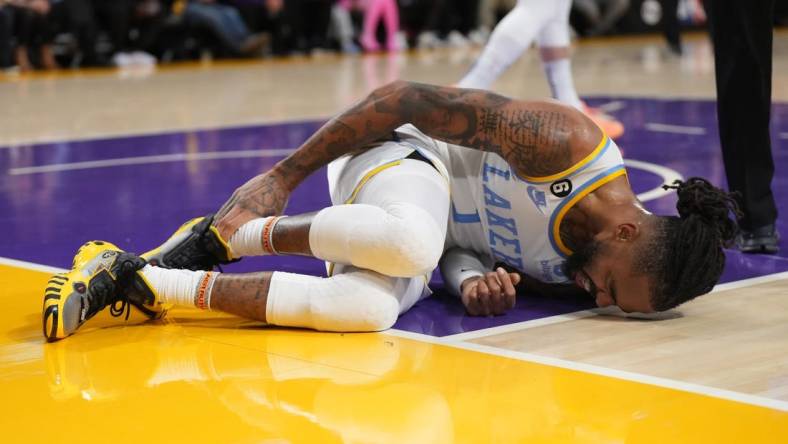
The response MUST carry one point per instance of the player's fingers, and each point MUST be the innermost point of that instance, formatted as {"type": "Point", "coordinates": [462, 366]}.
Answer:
{"type": "Point", "coordinates": [230, 223]}
{"type": "Point", "coordinates": [506, 282]}
{"type": "Point", "coordinates": [470, 298]}
{"type": "Point", "coordinates": [515, 278]}
{"type": "Point", "coordinates": [496, 301]}
{"type": "Point", "coordinates": [508, 293]}
{"type": "Point", "coordinates": [493, 283]}
{"type": "Point", "coordinates": [484, 298]}
{"type": "Point", "coordinates": [472, 301]}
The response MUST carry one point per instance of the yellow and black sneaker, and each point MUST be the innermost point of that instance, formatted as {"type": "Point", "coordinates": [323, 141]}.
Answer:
{"type": "Point", "coordinates": [196, 245]}
{"type": "Point", "coordinates": [102, 275]}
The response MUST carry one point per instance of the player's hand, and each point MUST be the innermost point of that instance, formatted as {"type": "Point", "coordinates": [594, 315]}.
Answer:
{"type": "Point", "coordinates": [491, 294]}
{"type": "Point", "coordinates": [263, 195]}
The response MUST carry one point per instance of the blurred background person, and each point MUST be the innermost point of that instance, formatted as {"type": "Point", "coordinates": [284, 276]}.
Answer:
{"type": "Point", "coordinates": [601, 15]}
{"type": "Point", "coordinates": [376, 11]}
{"type": "Point", "coordinates": [547, 22]}
{"type": "Point", "coordinates": [342, 26]}
{"type": "Point", "coordinates": [224, 23]}
{"type": "Point", "coordinates": [742, 36]}
{"type": "Point", "coordinates": [34, 33]}
{"type": "Point", "coordinates": [6, 31]}
{"type": "Point", "coordinates": [490, 13]}
{"type": "Point", "coordinates": [671, 27]}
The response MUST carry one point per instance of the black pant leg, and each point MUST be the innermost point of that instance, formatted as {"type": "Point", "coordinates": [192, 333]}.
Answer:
{"type": "Point", "coordinates": [24, 26]}
{"type": "Point", "coordinates": [6, 32]}
{"type": "Point", "coordinates": [670, 22]}
{"type": "Point", "coordinates": [115, 16]}
{"type": "Point", "coordinates": [742, 35]}
{"type": "Point", "coordinates": [464, 15]}
{"type": "Point", "coordinates": [79, 18]}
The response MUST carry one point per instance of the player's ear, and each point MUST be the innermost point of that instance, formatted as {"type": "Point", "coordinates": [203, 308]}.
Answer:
{"type": "Point", "coordinates": [627, 232]}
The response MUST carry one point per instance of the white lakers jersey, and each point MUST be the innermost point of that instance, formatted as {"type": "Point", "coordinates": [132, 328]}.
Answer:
{"type": "Point", "coordinates": [514, 219]}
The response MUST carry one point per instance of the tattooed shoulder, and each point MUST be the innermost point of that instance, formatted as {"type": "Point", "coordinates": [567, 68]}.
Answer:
{"type": "Point", "coordinates": [536, 142]}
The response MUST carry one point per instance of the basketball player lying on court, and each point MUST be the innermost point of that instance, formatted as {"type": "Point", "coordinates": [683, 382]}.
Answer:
{"type": "Point", "coordinates": [420, 174]}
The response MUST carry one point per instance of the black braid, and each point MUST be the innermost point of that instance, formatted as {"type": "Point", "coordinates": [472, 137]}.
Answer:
{"type": "Point", "coordinates": [698, 197]}
{"type": "Point", "coordinates": [689, 255]}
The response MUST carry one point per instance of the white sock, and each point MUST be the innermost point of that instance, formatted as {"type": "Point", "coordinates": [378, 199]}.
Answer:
{"type": "Point", "coordinates": [249, 239]}
{"type": "Point", "coordinates": [181, 287]}
{"type": "Point", "coordinates": [559, 76]}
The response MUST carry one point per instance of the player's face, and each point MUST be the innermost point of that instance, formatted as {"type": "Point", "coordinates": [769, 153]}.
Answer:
{"type": "Point", "coordinates": [604, 270]}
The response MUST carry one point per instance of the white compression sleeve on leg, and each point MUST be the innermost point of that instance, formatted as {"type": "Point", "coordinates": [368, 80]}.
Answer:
{"type": "Point", "coordinates": [513, 35]}
{"type": "Point", "coordinates": [360, 300]}
{"type": "Point", "coordinates": [562, 86]}
{"type": "Point", "coordinates": [398, 229]}
{"type": "Point", "coordinates": [555, 34]}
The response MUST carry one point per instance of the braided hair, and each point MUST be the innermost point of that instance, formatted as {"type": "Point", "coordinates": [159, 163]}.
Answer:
{"type": "Point", "coordinates": [686, 256]}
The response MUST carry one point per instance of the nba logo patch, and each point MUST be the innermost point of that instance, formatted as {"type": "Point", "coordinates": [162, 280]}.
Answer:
{"type": "Point", "coordinates": [538, 198]}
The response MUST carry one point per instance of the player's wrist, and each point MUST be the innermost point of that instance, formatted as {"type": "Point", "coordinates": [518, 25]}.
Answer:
{"type": "Point", "coordinates": [287, 176]}
{"type": "Point", "coordinates": [470, 280]}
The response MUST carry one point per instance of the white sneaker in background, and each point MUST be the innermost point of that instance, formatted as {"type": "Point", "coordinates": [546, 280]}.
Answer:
{"type": "Point", "coordinates": [455, 39]}
{"type": "Point", "coordinates": [401, 41]}
{"type": "Point", "coordinates": [428, 40]}
{"type": "Point", "coordinates": [142, 58]}
{"type": "Point", "coordinates": [122, 59]}
{"type": "Point", "coordinates": [479, 36]}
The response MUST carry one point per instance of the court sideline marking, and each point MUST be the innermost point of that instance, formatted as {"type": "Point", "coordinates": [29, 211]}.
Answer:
{"type": "Point", "coordinates": [556, 362]}
{"type": "Point", "coordinates": [146, 160]}
{"type": "Point", "coordinates": [51, 141]}
{"type": "Point", "coordinates": [557, 319]}
{"type": "Point", "coordinates": [675, 129]}
{"type": "Point", "coordinates": [690, 387]}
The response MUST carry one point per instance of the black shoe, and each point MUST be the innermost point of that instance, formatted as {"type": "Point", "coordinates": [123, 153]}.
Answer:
{"type": "Point", "coordinates": [675, 48]}
{"type": "Point", "coordinates": [195, 246]}
{"type": "Point", "coordinates": [760, 240]}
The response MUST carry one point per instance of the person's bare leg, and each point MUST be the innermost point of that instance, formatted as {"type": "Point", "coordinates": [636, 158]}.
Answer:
{"type": "Point", "coordinates": [550, 53]}
{"type": "Point", "coordinates": [291, 235]}
{"type": "Point", "coordinates": [48, 58]}
{"type": "Point", "coordinates": [244, 295]}
{"type": "Point", "coordinates": [22, 59]}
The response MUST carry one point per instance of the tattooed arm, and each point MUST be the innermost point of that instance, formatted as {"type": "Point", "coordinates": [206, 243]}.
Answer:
{"type": "Point", "coordinates": [536, 138]}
